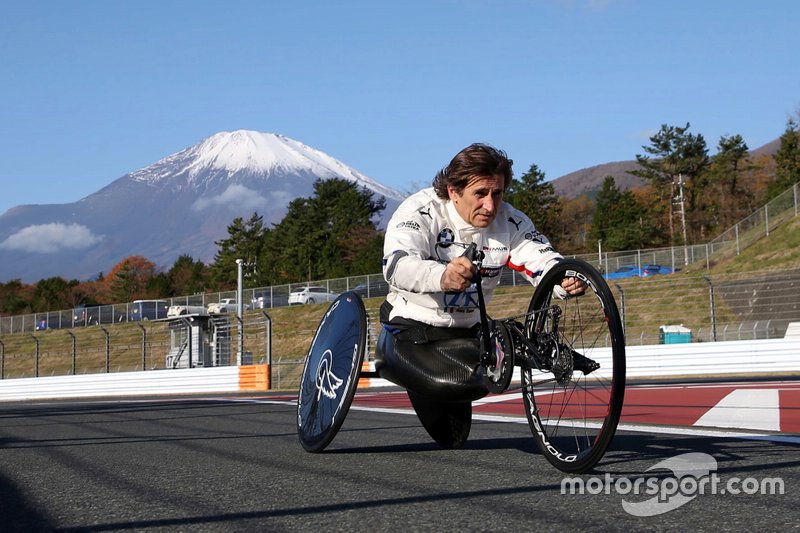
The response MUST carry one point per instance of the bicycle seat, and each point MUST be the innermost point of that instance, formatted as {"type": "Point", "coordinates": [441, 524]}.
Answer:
{"type": "Point", "coordinates": [440, 369]}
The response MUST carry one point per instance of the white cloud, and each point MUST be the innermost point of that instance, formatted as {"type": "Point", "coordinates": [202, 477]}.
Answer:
{"type": "Point", "coordinates": [281, 197]}
{"type": "Point", "coordinates": [235, 195]}
{"type": "Point", "coordinates": [51, 238]}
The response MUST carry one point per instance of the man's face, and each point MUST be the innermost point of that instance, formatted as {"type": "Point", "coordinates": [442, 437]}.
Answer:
{"type": "Point", "coordinates": [479, 201]}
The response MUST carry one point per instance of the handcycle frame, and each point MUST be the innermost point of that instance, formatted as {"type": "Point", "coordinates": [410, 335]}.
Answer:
{"type": "Point", "coordinates": [572, 389]}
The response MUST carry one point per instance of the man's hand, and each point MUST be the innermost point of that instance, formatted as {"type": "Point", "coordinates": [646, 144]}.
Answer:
{"type": "Point", "coordinates": [458, 275]}
{"type": "Point", "coordinates": [573, 286]}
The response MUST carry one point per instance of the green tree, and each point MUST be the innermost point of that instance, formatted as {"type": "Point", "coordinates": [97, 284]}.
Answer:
{"type": "Point", "coordinates": [330, 234]}
{"type": "Point", "coordinates": [158, 286]}
{"type": "Point", "coordinates": [674, 158]}
{"type": "Point", "coordinates": [603, 220]}
{"type": "Point", "coordinates": [187, 276]}
{"type": "Point", "coordinates": [13, 300]}
{"type": "Point", "coordinates": [620, 221]}
{"type": "Point", "coordinates": [245, 241]}
{"type": "Point", "coordinates": [787, 161]}
{"type": "Point", "coordinates": [537, 199]}
{"type": "Point", "coordinates": [723, 195]}
{"type": "Point", "coordinates": [52, 294]}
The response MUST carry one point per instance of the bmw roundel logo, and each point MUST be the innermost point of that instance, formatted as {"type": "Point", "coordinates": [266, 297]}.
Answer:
{"type": "Point", "coordinates": [445, 237]}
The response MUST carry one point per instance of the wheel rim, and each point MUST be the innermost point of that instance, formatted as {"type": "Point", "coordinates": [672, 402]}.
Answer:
{"type": "Point", "coordinates": [574, 410]}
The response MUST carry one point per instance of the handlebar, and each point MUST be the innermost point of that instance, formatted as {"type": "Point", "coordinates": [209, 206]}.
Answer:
{"type": "Point", "coordinates": [473, 254]}
{"type": "Point", "coordinates": [476, 256]}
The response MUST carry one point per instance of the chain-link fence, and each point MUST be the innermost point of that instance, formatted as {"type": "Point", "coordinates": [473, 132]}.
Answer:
{"type": "Point", "coordinates": [719, 308]}
{"type": "Point", "coordinates": [188, 341]}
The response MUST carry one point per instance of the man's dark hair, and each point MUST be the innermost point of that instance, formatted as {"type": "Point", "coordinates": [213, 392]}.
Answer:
{"type": "Point", "coordinates": [476, 160]}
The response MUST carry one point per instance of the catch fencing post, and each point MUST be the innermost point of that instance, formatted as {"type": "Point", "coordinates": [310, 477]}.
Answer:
{"type": "Point", "coordinates": [794, 191]}
{"type": "Point", "coordinates": [269, 347]}
{"type": "Point", "coordinates": [144, 347]}
{"type": "Point", "coordinates": [713, 309]}
{"type": "Point", "coordinates": [36, 340]}
{"type": "Point", "coordinates": [108, 349]}
{"type": "Point", "coordinates": [74, 351]}
{"type": "Point", "coordinates": [239, 309]}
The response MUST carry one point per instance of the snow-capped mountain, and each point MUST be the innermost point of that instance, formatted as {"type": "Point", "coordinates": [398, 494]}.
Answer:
{"type": "Point", "coordinates": [178, 205]}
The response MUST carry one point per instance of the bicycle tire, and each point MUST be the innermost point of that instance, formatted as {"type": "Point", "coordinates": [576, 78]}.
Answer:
{"type": "Point", "coordinates": [573, 414]}
{"type": "Point", "coordinates": [330, 373]}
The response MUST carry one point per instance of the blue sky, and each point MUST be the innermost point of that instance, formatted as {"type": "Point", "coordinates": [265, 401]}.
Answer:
{"type": "Point", "coordinates": [92, 90]}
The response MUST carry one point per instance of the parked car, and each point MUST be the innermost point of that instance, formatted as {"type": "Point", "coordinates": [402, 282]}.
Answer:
{"type": "Point", "coordinates": [629, 271]}
{"type": "Point", "coordinates": [87, 314]}
{"type": "Point", "coordinates": [373, 289]}
{"type": "Point", "coordinates": [178, 310]}
{"type": "Point", "coordinates": [311, 295]}
{"type": "Point", "coordinates": [148, 309]}
{"type": "Point", "coordinates": [650, 270]}
{"type": "Point", "coordinates": [266, 300]}
{"type": "Point", "coordinates": [226, 305]}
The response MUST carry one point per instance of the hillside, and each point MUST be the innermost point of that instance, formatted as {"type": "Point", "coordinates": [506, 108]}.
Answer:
{"type": "Point", "coordinates": [590, 180]}
{"type": "Point", "coordinates": [778, 251]}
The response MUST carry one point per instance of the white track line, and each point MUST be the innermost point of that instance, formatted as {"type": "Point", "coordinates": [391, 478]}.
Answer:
{"type": "Point", "coordinates": [757, 409]}
{"type": "Point", "coordinates": [634, 428]}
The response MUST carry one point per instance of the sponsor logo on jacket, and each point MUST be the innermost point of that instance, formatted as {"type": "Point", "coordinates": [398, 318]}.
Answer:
{"type": "Point", "coordinates": [408, 224]}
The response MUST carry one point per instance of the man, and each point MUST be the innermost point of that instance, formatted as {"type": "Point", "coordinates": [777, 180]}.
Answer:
{"type": "Point", "coordinates": [429, 343]}
{"type": "Point", "coordinates": [429, 279]}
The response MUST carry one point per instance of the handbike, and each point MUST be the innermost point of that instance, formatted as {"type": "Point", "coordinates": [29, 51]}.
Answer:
{"type": "Point", "coordinates": [569, 352]}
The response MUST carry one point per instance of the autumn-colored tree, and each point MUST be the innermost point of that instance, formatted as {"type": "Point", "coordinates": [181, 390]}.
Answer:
{"type": "Point", "coordinates": [572, 227]}
{"type": "Point", "coordinates": [128, 279]}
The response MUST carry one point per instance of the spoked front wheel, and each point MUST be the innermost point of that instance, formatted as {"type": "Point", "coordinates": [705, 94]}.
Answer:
{"type": "Point", "coordinates": [574, 384]}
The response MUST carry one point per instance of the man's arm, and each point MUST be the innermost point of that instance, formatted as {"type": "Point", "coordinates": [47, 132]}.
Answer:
{"type": "Point", "coordinates": [407, 262]}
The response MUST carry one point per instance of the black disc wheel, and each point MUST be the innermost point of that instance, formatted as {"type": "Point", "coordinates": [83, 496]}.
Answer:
{"type": "Point", "coordinates": [330, 374]}
{"type": "Point", "coordinates": [574, 383]}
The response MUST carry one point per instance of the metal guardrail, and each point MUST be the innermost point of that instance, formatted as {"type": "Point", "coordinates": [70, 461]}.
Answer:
{"type": "Point", "coordinates": [757, 358]}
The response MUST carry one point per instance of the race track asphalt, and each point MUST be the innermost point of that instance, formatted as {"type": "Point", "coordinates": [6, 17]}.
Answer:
{"type": "Point", "coordinates": [235, 464]}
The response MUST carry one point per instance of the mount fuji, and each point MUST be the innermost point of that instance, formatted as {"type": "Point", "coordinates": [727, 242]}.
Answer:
{"type": "Point", "coordinates": [178, 205]}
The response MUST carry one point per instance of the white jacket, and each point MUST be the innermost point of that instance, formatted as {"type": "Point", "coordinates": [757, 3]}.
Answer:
{"type": "Point", "coordinates": [414, 258]}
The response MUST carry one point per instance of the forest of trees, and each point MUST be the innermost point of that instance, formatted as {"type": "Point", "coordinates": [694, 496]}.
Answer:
{"type": "Point", "coordinates": [688, 197]}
